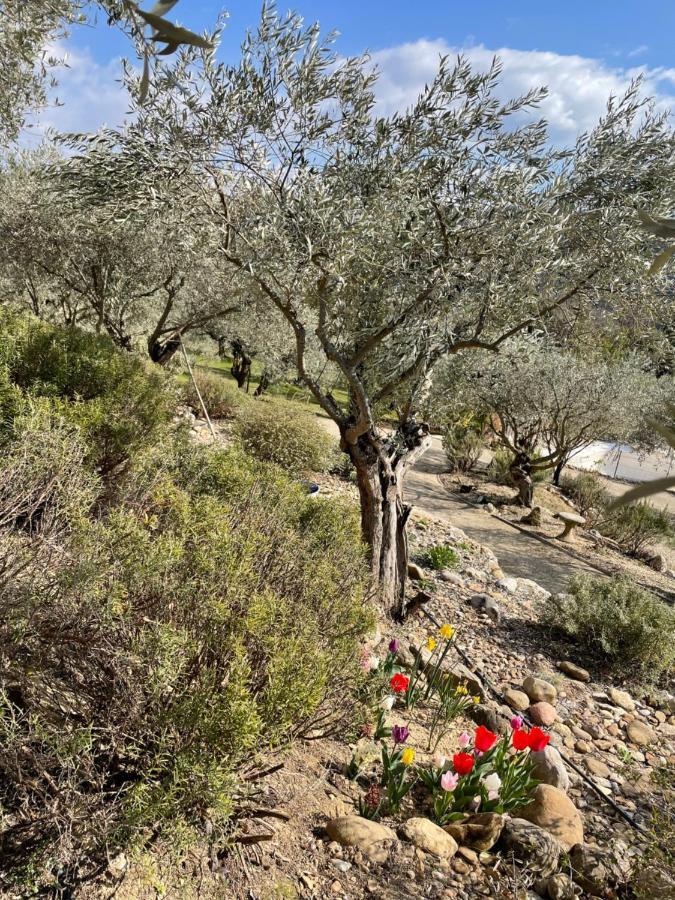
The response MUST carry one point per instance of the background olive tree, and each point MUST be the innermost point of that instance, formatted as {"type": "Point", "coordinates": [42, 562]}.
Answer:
{"type": "Point", "coordinates": [543, 404]}
{"type": "Point", "coordinates": [395, 240]}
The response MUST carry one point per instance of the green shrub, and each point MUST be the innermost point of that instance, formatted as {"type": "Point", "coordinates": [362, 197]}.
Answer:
{"type": "Point", "coordinates": [221, 397]}
{"type": "Point", "coordinates": [119, 404]}
{"type": "Point", "coordinates": [499, 469]}
{"type": "Point", "coordinates": [588, 492]}
{"type": "Point", "coordinates": [441, 557]}
{"type": "Point", "coordinates": [637, 525]}
{"type": "Point", "coordinates": [632, 629]}
{"type": "Point", "coordinates": [273, 432]}
{"type": "Point", "coordinates": [202, 619]}
{"type": "Point", "coordinates": [463, 447]}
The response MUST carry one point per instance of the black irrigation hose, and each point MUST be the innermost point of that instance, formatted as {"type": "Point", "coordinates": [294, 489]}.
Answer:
{"type": "Point", "coordinates": [485, 680]}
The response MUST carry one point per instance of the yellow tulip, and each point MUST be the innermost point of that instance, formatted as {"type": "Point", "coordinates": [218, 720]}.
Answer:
{"type": "Point", "coordinates": [407, 756]}
{"type": "Point", "coordinates": [447, 631]}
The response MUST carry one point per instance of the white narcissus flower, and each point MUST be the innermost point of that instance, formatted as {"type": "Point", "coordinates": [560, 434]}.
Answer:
{"type": "Point", "coordinates": [387, 704]}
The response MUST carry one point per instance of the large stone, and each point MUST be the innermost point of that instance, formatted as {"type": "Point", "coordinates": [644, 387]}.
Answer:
{"type": "Point", "coordinates": [560, 887]}
{"type": "Point", "coordinates": [415, 572]}
{"type": "Point", "coordinates": [508, 585]}
{"type": "Point", "coordinates": [426, 835]}
{"type": "Point", "coordinates": [622, 699]}
{"type": "Point", "coordinates": [596, 869]}
{"type": "Point", "coordinates": [639, 733]}
{"type": "Point", "coordinates": [550, 769]}
{"type": "Point", "coordinates": [537, 689]}
{"type": "Point", "coordinates": [355, 831]}
{"type": "Point", "coordinates": [531, 845]}
{"type": "Point", "coordinates": [597, 767]}
{"type": "Point", "coordinates": [572, 670]}
{"type": "Point", "coordinates": [516, 699]}
{"type": "Point", "coordinates": [542, 713]}
{"type": "Point", "coordinates": [480, 831]}
{"type": "Point", "coordinates": [553, 810]}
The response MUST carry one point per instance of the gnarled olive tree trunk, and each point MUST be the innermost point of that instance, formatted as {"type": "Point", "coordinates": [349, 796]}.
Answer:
{"type": "Point", "coordinates": [381, 464]}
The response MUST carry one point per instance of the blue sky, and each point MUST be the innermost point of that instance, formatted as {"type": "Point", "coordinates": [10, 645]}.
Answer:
{"type": "Point", "coordinates": [582, 50]}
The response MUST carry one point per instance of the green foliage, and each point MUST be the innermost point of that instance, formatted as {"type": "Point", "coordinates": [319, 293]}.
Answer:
{"type": "Point", "coordinates": [632, 629]}
{"type": "Point", "coordinates": [118, 404]}
{"type": "Point", "coordinates": [221, 397]}
{"type": "Point", "coordinates": [588, 492]}
{"type": "Point", "coordinates": [637, 525]}
{"type": "Point", "coordinates": [273, 432]}
{"type": "Point", "coordinates": [441, 557]}
{"type": "Point", "coordinates": [499, 469]}
{"type": "Point", "coordinates": [157, 638]}
{"type": "Point", "coordinates": [463, 447]}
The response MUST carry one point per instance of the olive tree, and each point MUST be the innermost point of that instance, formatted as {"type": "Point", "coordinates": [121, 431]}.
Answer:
{"type": "Point", "coordinates": [394, 241]}
{"type": "Point", "coordinates": [28, 29]}
{"type": "Point", "coordinates": [543, 404]}
{"type": "Point", "coordinates": [144, 280]}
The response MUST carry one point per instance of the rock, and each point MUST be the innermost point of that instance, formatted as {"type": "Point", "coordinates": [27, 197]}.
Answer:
{"type": "Point", "coordinates": [657, 563]}
{"type": "Point", "coordinates": [461, 866]}
{"type": "Point", "coordinates": [542, 713]}
{"type": "Point", "coordinates": [488, 716]}
{"type": "Point", "coordinates": [553, 810]}
{"type": "Point", "coordinates": [415, 572]}
{"type": "Point", "coordinates": [622, 699]}
{"type": "Point", "coordinates": [537, 689]}
{"type": "Point", "coordinates": [572, 670]}
{"type": "Point", "coordinates": [426, 835]}
{"type": "Point", "coordinates": [550, 769]}
{"type": "Point", "coordinates": [531, 845]}
{"type": "Point", "coordinates": [508, 585]}
{"type": "Point", "coordinates": [486, 604]}
{"type": "Point", "coordinates": [597, 767]}
{"type": "Point", "coordinates": [533, 517]}
{"type": "Point", "coordinates": [596, 869]}
{"type": "Point", "coordinates": [639, 733]}
{"type": "Point", "coordinates": [468, 855]}
{"type": "Point", "coordinates": [480, 831]}
{"type": "Point", "coordinates": [560, 887]}
{"type": "Point", "coordinates": [582, 747]}
{"type": "Point", "coordinates": [517, 699]}
{"type": "Point", "coordinates": [654, 882]}
{"type": "Point", "coordinates": [451, 577]}
{"type": "Point", "coordinates": [355, 831]}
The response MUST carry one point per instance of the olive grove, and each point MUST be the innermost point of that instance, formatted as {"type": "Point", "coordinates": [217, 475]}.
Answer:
{"type": "Point", "coordinates": [391, 241]}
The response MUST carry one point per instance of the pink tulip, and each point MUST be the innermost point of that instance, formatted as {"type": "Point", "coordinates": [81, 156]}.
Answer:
{"type": "Point", "coordinates": [517, 722]}
{"type": "Point", "coordinates": [449, 781]}
{"type": "Point", "coordinates": [463, 739]}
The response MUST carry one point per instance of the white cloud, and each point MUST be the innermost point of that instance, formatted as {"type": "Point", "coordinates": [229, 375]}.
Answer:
{"type": "Point", "coordinates": [90, 95]}
{"type": "Point", "coordinates": [637, 51]}
{"type": "Point", "coordinates": [578, 86]}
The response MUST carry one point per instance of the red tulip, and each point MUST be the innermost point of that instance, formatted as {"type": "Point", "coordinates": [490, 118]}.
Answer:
{"type": "Point", "coordinates": [463, 763]}
{"type": "Point", "coordinates": [521, 739]}
{"type": "Point", "coordinates": [399, 683]}
{"type": "Point", "coordinates": [537, 739]}
{"type": "Point", "coordinates": [484, 739]}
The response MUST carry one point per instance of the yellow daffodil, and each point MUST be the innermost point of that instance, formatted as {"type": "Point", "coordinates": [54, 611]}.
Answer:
{"type": "Point", "coordinates": [408, 756]}
{"type": "Point", "coordinates": [476, 699]}
{"type": "Point", "coordinates": [431, 644]}
{"type": "Point", "coordinates": [461, 689]}
{"type": "Point", "coordinates": [447, 631]}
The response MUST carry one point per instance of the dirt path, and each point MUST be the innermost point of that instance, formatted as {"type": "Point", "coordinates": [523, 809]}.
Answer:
{"type": "Point", "coordinates": [519, 554]}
